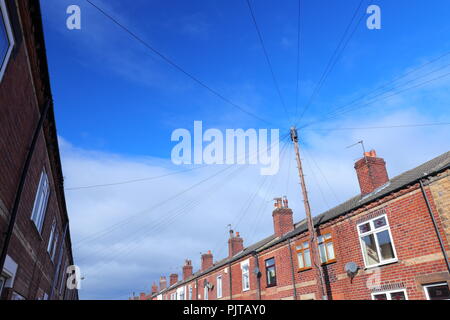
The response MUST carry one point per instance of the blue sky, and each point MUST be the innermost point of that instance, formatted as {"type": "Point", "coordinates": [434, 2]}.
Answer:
{"type": "Point", "coordinates": [117, 103]}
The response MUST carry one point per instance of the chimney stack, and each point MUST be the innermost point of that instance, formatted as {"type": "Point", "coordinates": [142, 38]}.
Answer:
{"type": "Point", "coordinates": [173, 278]}
{"type": "Point", "coordinates": [235, 244]}
{"type": "Point", "coordinates": [371, 172]}
{"type": "Point", "coordinates": [187, 269]}
{"type": "Point", "coordinates": [283, 220]}
{"type": "Point", "coordinates": [154, 288]}
{"type": "Point", "coordinates": [162, 283]}
{"type": "Point", "coordinates": [142, 296]}
{"type": "Point", "coordinates": [207, 260]}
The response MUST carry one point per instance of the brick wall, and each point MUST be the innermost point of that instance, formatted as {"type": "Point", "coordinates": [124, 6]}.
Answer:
{"type": "Point", "coordinates": [22, 92]}
{"type": "Point", "coordinates": [419, 256]}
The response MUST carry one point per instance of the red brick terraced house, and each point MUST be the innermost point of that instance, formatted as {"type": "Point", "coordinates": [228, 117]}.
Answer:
{"type": "Point", "coordinates": [34, 226]}
{"type": "Point", "coordinates": [390, 242]}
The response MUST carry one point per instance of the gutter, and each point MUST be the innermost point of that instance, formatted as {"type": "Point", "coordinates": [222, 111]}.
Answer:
{"type": "Point", "coordinates": [430, 211]}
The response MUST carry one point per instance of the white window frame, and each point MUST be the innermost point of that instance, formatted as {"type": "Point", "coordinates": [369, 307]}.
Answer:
{"type": "Point", "coordinates": [245, 273]}
{"type": "Point", "coordinates": [2, 282]}
{"type": "Point", "coordinates": [9, 35]}
{"type": "Point", "coordinates": [389, 292]}
{"type": "Point", "coordinates": [374, 232]}
{"type": "Point", "coordinates": [205, 293]}
{"type": "Point", "coordinates": [53, 240]}
{"type": "Point", "coordinates": [41, 201]}
{"type": "Point", "coordinates": [219, 286]}
{"type": "Point", "coordinates": [433, 285]}
{"type": "Point", "coordinates": [190, 292]}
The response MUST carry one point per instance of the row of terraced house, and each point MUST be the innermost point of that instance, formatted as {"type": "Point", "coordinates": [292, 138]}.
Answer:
{"type": "Point", "coordinates": [390, 242]}
{"type": "Point", "coordinates": [35, 238]}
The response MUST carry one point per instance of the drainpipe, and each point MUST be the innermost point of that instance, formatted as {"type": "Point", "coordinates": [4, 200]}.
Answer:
{"type": "Point", "coordinates": [430, 211]}
{"type": "Point", "coordinates": [292, 268]}
{"type": "Point", "coordinates": [21, 186]}
{"type": "Point", "coordinates": [58, 266]}
{"type": "Point", "coordinates": [258, 275]}
{"type": "Point", "coordinates": [231, 286]}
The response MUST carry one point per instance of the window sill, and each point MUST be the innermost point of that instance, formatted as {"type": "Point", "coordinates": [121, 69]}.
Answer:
{"type": "Point", "coordinates": [382, 264]}
{"type": "Point", "coordinates": [271, 286]}
{"type": "Point", "coordinates": [304, 269]}
{"type": "Point", "coordinates": [328, 262]}
{"type": "Point", "coordinates": [244, 290]}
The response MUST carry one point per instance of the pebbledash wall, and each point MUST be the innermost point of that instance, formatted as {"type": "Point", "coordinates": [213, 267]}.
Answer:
{"type": "Point", "coordinates": [39, 249]}
{"type": "Point", "coordinates": [411, 263]}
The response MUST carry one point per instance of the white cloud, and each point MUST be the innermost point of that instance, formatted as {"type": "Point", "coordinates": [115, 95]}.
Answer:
{"type": "Point", "coordinates": [149, 243]}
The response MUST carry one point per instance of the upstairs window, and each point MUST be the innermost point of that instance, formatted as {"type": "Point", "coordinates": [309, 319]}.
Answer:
{"type": "Point", "coordinates": [40, 201]}
{"type": "Point", "coordinates": [326, 248]}
{"type": "Point", "coordinates": [6, 38]}
{"type": "Point", "coordinates": [271, 274]}
{"type": "Point", "coordinates": [245, 275]}
{"type": "Point", "coordinates": [190, 292]}
{"type": "Point", "coordinates": [205, 293]}
{"type": "Point", "coordinates": [219, 287]}
{"type": "Point", "coordinates": [376, 242]}
{"type": "Point", "coordinates": [53, 240]}
{"type": "Point", "coordinates": [303, 256]}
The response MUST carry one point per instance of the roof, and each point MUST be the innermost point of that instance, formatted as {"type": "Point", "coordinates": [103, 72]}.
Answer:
{"type": "Point", "coordinates": [412, 176]}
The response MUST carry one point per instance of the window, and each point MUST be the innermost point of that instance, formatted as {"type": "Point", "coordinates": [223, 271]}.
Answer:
{"type": "Point", "coordinates": [205, 293]}
{"type": "Point", "coordinates": [181, 293]}
{"type": "Point", "coordinates": [40, 202]}
{"type": "Point", "coordinates": [271, 274]}
{"type": "Point", "coordinates": [53, 240]}
{"type": "Point", "coordinates": [190, 292]}
{"type": "Point", "coordinates": [2, 283]}
{"type": "Point", "coordinates": [326, 248]}
{"type": "Point", "coordinates": [245, 275]}
{"type": "Point", "coordinates": [303, 256]}
{"type": "Point", "coordinates": [437, 291]}
{"type": "Point", "coordinates": [63, 274]}
{"type": "Point", "coordinates": [6, 38]}
{"type": "Point", "coordinates": [219, 287]}
{"type": "Point", "coordinates": [376, 242]}
{"type": "Point", "coordinates": [390, 295]}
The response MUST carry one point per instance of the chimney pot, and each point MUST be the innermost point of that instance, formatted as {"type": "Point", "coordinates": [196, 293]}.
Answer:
{"type": "Point", "coordinates": [173, 278]}
{"type": "Point", "coordinates": [207, 260]}
{"type": "Point", "coordinates": [235, 245]}
{"type": "Point", "coordinates": [187, 269]}
{"type": "Point", "coordinates": [283, 221]}
{"type": "Point", "coordinates": [162, 283]}
{"type": "Point", "coordinates": [371, 172]}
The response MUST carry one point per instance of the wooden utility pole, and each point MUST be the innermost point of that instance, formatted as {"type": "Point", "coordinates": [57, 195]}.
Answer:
{"type": "Point", "coordinates": [314, 248]}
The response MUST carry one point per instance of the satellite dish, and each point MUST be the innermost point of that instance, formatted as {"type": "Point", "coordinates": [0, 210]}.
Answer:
{"type": "Point", "coordinates": [351, 268]}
